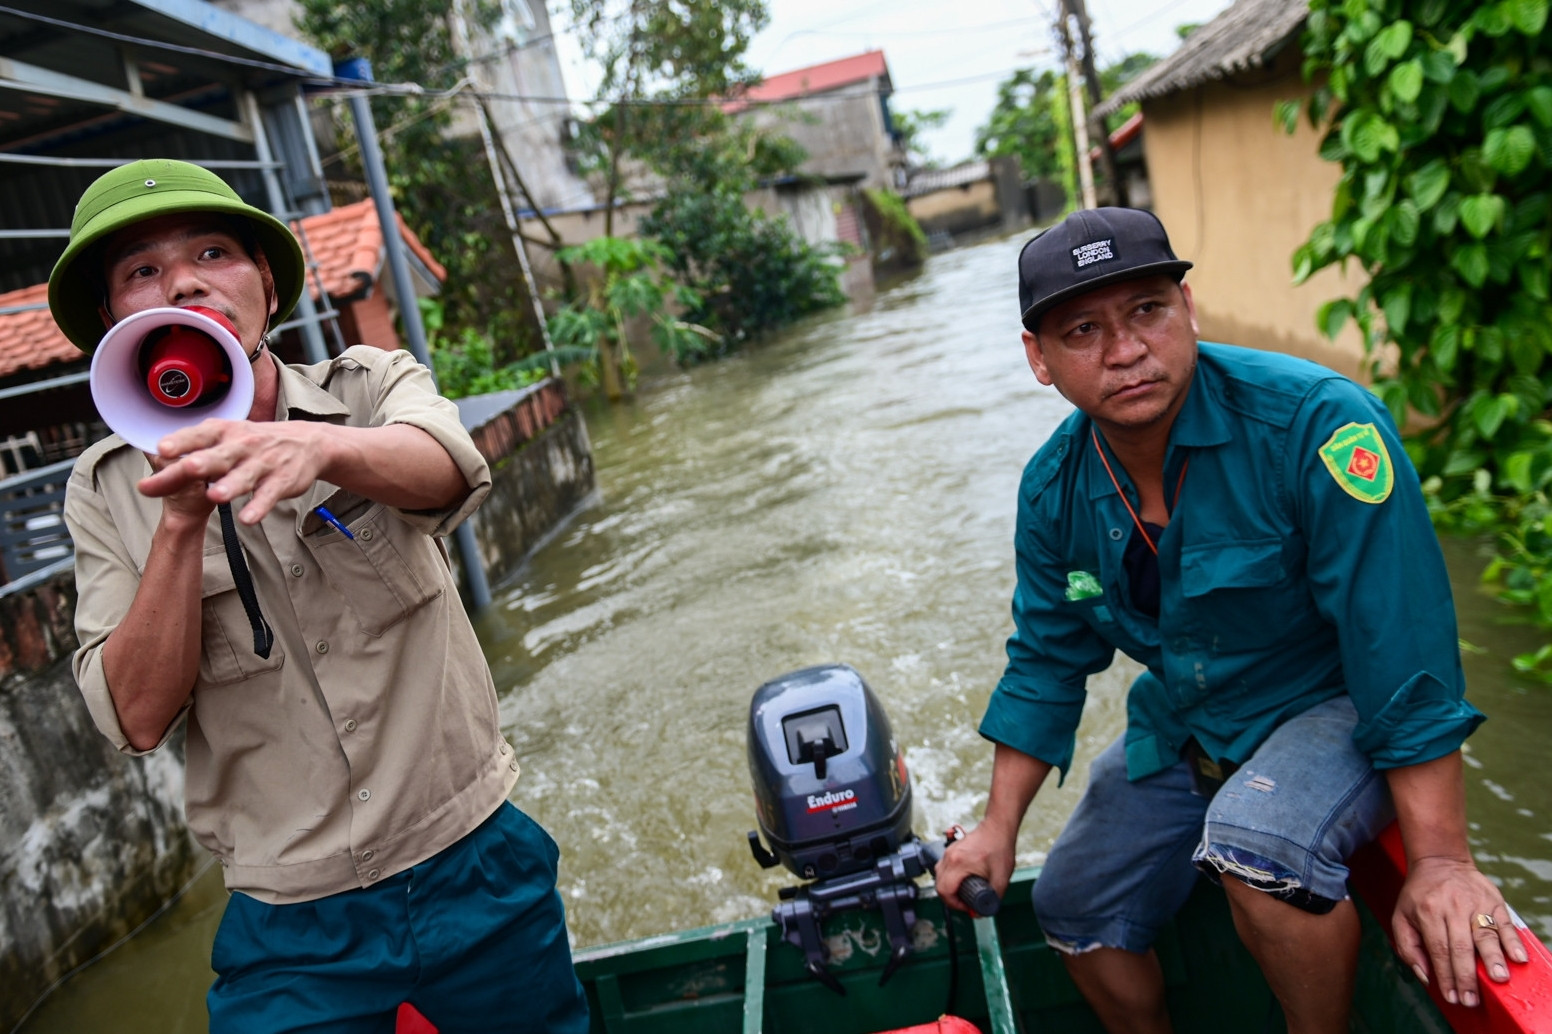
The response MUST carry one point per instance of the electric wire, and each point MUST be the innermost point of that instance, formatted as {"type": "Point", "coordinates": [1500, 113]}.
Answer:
{"type": "Point", "coordinates": [343, 86]}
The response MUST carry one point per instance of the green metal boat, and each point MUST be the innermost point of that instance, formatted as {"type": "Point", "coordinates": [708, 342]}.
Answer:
{"type": "Point", "coordinates": [996, 972]}
{"type": "Point", "coordinates": [864, 946]}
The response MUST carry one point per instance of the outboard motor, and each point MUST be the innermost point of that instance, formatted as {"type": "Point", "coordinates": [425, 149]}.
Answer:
{"type": "Point", "coordinates": [833, 799]}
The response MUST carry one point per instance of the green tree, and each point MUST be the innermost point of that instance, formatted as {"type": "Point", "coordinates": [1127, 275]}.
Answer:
{"type": "Point", "coordinates": [660, 60]}
{"type": "Point", "coordinates": [910, 125]}
{"type": "Point", "coordinates": [1440, 114]}
{"type": "Point", "coordinates": [752, 272]}
{"type": "Point", "coordinates": [629, 283]}
{"type": "Point", "coordinates": [1024, 124]}
{"type": "Point", "coordinates": [443, 187]}
{"type": "Point", "coordinates": [1031, 118]}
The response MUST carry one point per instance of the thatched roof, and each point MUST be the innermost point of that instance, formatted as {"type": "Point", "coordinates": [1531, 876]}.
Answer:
{"type": "Point", "coordinates": [1248, 35]}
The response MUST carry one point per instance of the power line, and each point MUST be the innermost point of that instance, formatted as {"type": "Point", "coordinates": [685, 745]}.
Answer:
{"type": "Point", "coordinates": [905, 33]}
{"type": "Point", "coordinates": [354, 87]}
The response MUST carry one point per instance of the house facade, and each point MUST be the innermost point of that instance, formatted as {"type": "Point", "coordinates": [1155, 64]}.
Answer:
{"type": "Point", "coordinates": [839, 113]}
{"type": "Point", "coordinates": [1236, 193]}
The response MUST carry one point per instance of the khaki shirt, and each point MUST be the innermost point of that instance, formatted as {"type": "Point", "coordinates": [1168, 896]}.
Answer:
{"type": "Point", "coordinates": [369, 739]}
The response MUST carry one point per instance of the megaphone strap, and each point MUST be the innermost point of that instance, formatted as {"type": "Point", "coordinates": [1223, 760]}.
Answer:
{"type": "Point", "coordinates": [263, 635]}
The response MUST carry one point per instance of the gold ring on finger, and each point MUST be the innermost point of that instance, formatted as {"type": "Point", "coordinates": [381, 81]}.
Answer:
{"type": "Point", "coordinates": [1485, 921]}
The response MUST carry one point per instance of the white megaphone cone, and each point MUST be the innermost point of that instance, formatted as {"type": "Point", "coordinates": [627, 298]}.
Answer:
{"type": "Point", "coordinates": [164, 369]}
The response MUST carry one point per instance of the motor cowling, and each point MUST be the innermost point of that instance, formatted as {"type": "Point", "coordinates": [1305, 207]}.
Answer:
{"type": "Point", "coordinates": [831, 789]}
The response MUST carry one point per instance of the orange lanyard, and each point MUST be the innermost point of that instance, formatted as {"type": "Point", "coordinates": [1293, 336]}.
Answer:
{"type": "Point", "coordinates": [1135, 519]}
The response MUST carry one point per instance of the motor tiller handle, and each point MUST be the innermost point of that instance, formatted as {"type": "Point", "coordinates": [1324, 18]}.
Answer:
{"type": "Point", "coordinates": [978, 896]}
{"type": "Point", "coordinates": [975, 892]}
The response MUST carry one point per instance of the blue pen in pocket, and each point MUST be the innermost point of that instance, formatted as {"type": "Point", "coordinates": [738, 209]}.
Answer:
{"type": "Point", "coordinates": [323, 512]}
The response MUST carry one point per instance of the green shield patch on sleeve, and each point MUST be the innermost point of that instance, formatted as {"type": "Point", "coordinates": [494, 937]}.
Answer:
{"type": "Point", "coordinates": [1355, 455]}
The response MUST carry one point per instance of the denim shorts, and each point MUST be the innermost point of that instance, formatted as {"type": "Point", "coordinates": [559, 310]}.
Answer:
{"type": "Point", "coordinates": [474, 937]}
{"type": "Point", "coordinates": [1285, 823]}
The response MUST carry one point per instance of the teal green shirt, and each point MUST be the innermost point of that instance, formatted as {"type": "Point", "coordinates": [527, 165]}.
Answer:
{"type": "Point", "coordinates": [1298, 564]}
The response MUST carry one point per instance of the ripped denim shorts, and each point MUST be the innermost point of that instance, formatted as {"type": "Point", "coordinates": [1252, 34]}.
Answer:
{"type": "Point", "coordinates": [1285, 822]}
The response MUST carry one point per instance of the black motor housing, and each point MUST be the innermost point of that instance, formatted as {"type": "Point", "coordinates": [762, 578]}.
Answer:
{"type": "Point", "coordinates": [830, 785]}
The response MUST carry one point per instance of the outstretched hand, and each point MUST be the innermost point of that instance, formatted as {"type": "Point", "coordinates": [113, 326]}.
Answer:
{"type": "Point", "coordinates": [1440, 934]}
{"type": "Point", "coordinates": [273, 460]}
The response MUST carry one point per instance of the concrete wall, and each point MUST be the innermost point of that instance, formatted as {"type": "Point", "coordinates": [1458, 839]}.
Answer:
{"type": "Point", "coordinates": [843, 132]}
{"type": "Point", "coordinates": [957, 209]}
{"type": "Point", "coordinates": [1237, 196]}
{"type": "Point", "coordinates": [543, 473]}
{"type": "Point", "coordinates": [519, 60]}
{"type": "Point", "coordinates": [94, 841]}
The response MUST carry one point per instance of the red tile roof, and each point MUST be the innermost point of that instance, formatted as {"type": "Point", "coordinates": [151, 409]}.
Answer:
{"type": "Point", "coordinates": [30, 340]}
{"type": "Point", "coordinates": [814, 79]}
{"type": "Point", "coordinates": [346, 243]}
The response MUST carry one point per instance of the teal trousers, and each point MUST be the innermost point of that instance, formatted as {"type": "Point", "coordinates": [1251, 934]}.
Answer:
{"type": "Point", "coordinates": [474, 937]}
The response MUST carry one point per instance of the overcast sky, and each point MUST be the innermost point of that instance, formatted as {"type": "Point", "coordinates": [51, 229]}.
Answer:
{"type": "Point", "coordinates": [941, 54]}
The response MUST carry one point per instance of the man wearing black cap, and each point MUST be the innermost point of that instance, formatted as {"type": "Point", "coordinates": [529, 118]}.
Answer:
{"type": "Point", "coordinates": [1233, 521]}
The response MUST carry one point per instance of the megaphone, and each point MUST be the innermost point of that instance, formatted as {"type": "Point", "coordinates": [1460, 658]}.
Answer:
{"type": "Point", "coordinates": [160, 370]}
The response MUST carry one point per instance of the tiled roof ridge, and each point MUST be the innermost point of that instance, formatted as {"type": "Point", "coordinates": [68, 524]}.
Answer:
{"type": "Point", "coordinates": [1246, 35]}
{"type": "Point", "coordinates": [812, 79]}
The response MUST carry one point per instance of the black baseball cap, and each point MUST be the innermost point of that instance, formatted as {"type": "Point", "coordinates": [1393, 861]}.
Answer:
{"type": "Point", "coordinates": [1091, 248]}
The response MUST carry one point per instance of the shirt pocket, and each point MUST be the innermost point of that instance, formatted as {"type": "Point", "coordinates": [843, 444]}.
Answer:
{"type": "Point", "coordinates": [226, 637]}
{"type": "Point", "coordinates": [384, 574]}
{"type": "Point", "coordinates": [1238, 593]}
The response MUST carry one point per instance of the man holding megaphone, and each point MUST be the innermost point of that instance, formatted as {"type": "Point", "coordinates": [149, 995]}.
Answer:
{"type": "Point", "coordinates": [345, 760]}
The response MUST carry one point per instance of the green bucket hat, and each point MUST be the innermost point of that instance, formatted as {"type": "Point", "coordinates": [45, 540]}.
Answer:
{"type": "Point", "coordinates": [143, 190]}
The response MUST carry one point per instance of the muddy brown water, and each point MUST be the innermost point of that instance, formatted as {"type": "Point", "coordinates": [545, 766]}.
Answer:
{"type": "Point", "coordinates": [844, 492]}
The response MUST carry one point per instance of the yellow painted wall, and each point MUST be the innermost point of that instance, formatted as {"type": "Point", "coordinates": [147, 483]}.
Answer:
{"type": "Point", "coordinates": [972, 204]}
{"type": "Point", "coordinates": [1237, 196]}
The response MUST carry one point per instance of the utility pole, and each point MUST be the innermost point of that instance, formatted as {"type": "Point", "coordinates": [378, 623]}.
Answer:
{"type": "Point", "coordinates": [1080, 129]}
{"type": "Point", "coordinates": [1107, 161]}
{"type": "Point", "coordinates": [360, 70]}
{"type": "Point", "coordinates": [482, 113]}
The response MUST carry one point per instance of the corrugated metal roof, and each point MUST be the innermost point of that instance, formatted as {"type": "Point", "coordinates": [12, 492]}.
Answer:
{"type": "Point", "coordinates": [346, 243]}
{"type": "Point", "coordinates": [1248, 35]}
{"type": "Point", "coordinates": [928, 180]}
{"type": "Point", "coordinates": [803, 82]}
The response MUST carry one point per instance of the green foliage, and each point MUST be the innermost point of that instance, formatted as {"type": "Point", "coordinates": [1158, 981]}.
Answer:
{"type": "Point", "coordinates": [652, 51]}
{"type": "Point", "coordinates": [464, 360]}
{"type": "Point", "coordinates": [909, 127]}
{"type": "Point", "coordinates": [630, 283]}
{"type": "Point", "coordinates": [1032, 119]}
{"type": "Point", "coordinates": [1024, 123]}
{"type": "Point", "coordinates": [900, 239]}
{"type": "Point", "coordinates": [750, 271]}
{"type": "Point", "coordinates": [1440, 113]}
{"type": "Point", "coordinates": [441, 186]}
{"type": "Point", "coordinates": [744, 271]}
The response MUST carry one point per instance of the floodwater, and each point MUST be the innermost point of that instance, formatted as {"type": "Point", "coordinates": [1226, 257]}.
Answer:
{"type": "Point", "coordinates": [844, 492]}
